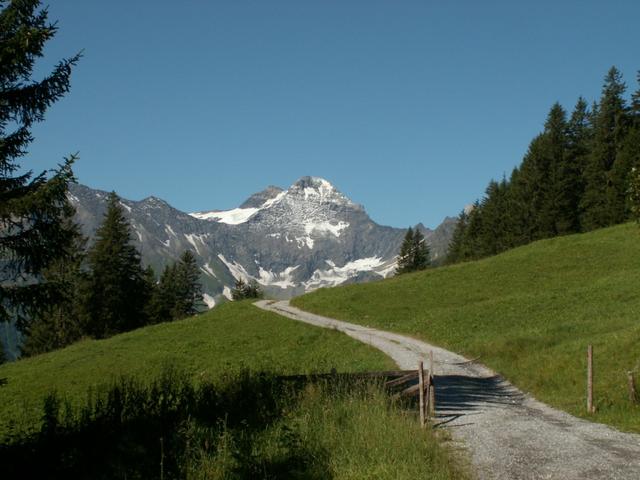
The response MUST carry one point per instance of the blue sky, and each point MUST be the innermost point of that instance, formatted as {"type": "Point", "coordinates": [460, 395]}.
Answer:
{"type": "Point", "coordinates": [408, 107]}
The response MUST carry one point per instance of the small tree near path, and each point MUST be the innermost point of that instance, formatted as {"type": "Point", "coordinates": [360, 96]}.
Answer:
{"type": "Point", "coordinates": [414, 253]}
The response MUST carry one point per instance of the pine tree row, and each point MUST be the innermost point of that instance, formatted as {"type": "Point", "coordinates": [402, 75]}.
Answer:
{"type": "Point", "coordinates": [107, 291]}
{"type": "Point", "coordinates": [575, 177]}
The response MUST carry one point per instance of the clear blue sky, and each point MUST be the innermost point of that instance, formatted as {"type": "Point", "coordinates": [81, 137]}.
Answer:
{"type": "Point", "coordinates": [409, 107]}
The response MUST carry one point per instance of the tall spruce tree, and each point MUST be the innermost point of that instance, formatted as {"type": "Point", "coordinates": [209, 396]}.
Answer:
{"type": "Point", "coordinates": [404, 256]}
{"type": "Point", "coordinates": [627, 158]}
{"type": "Point", "coordinates": [495, 236]}
{"type": "Point", "coordinates": [579, 137]}
{"type": "Point", "coordinates": [188, 288]}
{"type": "Point", "coordinates": [421, 254]}
{"type": "Point", "coordinates": [115, 291]}
{"type": "Point", "coordinates": [601, 205]}
{"type": "Point", "coordinates": [164, 296]}
{"type": "Point", "coordinates": [58, 324]}
{"type": "Point", "coordinates": [455, 250]}
{"type": "Point", "coordinates": [33, 232]}
{"type": "Point", "coordinates": [556, 217]}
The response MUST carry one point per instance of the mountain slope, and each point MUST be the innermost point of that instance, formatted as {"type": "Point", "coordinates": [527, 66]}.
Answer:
{"type": "Point", "coordinates": [528, 313]}
{"type": "Point", "coordinates": [290, 241]}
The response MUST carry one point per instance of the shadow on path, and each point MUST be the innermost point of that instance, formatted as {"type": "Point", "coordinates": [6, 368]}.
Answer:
{"type": "Point", "coordinates": [460, 395]}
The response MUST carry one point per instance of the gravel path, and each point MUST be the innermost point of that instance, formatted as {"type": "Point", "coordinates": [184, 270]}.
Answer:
{"type": "Point", "coordinates": [509, 435]}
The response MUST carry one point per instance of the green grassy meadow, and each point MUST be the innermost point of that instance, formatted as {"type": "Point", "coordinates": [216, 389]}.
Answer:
{"type": "Point", "coordinates": [528, 313]}
{"type": "Point", "coordinates": [227, 339]}
{"type": "Point", "coordinates": [199, 385]}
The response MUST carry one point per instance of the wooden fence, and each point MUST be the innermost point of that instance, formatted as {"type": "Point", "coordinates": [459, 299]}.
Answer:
{"type": "Point", "coordinates": [400, 383]}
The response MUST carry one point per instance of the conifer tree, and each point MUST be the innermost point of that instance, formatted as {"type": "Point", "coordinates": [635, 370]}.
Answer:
{"type": "Point", "coordinates": [455, 251]}
{"type": "Point", "coordinates": [164, 296]}
{"type": "Point", "coordinates": [494, 234]}
{"type": "Point", "coordinates": [244, 290]}
{"type": "Point", "coordinates": [634, 193]}
{"type": "Point", "coordinates": [115, 291]}
{"type": "Point", "coordinates": [405, 254]}
{"type": "Point", "coordinates": [178, 294]}
{"type": "Point", "coordinates": [33, 232]}
{"type": "Point", "coordinates": [579, 136]}
{"type": "Point", "coordinates": [414, 252]}
{"type": "Point", "coordinates": [627, 158]}
{"type": "Point", "coordinates": [188, 288]}
{"type": "Point", "coordinates": [600, 204]}
{"type": "Point", "coordinates": [420, 252]}
{"type": "Point", "coordinates": [556, 216]}
{"type": "Point", "coordinates": [58, 324]}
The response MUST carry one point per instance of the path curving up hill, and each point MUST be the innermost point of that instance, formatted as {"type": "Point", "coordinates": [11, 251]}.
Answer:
{"type": "Point", "coordinates": [509, 435]}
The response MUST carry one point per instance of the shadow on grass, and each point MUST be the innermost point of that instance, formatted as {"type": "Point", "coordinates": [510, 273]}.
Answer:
{"type": "Point", "coordinates": [167, 429]}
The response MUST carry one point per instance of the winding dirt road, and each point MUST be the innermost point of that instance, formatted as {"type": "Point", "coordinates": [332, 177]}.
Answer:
{"type": "Point", "coordinates": [509, 435]}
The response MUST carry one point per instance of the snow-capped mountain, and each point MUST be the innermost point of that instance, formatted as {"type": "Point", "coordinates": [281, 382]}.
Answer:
{"type": "Point", "coordinates": [290, 241]}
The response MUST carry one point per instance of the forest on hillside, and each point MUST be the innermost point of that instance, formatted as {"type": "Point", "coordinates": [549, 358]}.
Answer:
{"type": "Point", "coordinates": [576, 176]}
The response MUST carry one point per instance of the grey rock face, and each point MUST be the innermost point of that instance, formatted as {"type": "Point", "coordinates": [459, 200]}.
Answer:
{"type": "Point", "coordinates": [290, 241]}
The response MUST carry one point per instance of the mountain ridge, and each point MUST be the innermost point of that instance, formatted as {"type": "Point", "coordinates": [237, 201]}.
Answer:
{"type": "Point", "coordinates": [290, 240]}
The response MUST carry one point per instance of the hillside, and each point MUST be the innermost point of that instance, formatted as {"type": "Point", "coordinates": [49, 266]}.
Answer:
{"type": "Point", "coordinates": [528, 313]}
{"type": "Point", "coordinates": [224, 340]}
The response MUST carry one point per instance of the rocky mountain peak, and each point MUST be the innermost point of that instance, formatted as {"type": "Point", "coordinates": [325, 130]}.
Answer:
{"type": "Point", "coordinates": [317, 190]}
{"type": "Point", "coordinates": [257, 200]}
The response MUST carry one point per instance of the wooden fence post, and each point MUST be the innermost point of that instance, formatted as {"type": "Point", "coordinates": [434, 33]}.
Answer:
{"type": "Point", "coordinates": [432, 397]}
{"type": "Point", "coordinates": [633, 394]}
{"type": "Point", "coordinates": [421, 389]}
{"type": "Point", "coordinates": [432, 391]}
{"type": "Point", "coordinates": [431, 370]}
{"type": "Point", "coordinates": [590, 407]}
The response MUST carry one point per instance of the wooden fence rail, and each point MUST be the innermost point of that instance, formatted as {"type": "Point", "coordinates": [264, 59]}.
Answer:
{"type": "Point", "coordinates": [404, 383]}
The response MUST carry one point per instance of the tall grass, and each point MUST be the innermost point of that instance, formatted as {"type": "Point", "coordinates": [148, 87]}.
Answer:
{"type": "Point", "coordinates": [245, 426]}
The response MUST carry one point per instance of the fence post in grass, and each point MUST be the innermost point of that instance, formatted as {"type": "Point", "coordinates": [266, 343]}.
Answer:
{"type": "Point", "coordinates": [633, 394]}
{"type": "Point", "coordinates": [590, 407]}
{"type": "Point", "coordinates": [421, 390]}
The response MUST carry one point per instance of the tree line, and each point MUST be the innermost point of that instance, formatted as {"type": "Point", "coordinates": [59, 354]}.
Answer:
{"type": "Point", "coordinates": [105, 290]}
{"type": "Point", "coordinates": [575, 177]}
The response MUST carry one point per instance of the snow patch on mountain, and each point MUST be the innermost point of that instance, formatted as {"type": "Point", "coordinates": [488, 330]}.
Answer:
{"type": "Point", "coordinates": [388, 270]}
{"type": "Point", "coordinates": [336, 275]}
{"type": "Point", "coordinates": [325, 227]}
{"type": "Point", "coordinates": [237, 271]}
{"type": "Point", "coordinates": [235, 216]}
{"type": "Point", "coordinates": [226, 293]}
{"type": "Point", "coordinates": [272, 201]}
{"type": "Point", "coordinates": [206, 268]}
{"type": "Point", "coordinates": [196, 240]}
{"type": "Point", "coordinates": [283, 279]}
{"type": "Point", "coordinates": [209, 300]}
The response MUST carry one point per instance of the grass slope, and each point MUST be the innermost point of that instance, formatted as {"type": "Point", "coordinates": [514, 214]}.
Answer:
{"type": "Point", "coordinates": [225, 339]}
{"type": "Point", "coordinates": [528, 313]}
